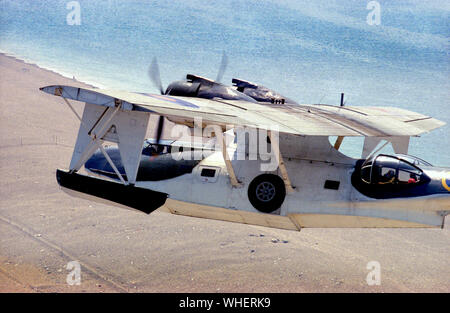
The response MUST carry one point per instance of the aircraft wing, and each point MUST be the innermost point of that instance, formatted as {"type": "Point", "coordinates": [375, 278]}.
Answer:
{"type": "Point", "coordinates": [307, 120]}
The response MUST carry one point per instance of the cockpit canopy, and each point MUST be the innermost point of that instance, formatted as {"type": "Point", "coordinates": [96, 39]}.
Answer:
{"type": "Point", "coordinates": [385, 169]}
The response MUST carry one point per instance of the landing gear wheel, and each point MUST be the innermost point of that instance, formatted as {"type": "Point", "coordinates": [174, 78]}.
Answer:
{"type": "Point", "coordinates": [266, 193]}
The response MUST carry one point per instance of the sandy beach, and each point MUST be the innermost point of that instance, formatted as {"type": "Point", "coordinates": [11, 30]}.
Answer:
{"type": "Point", "coordinates": [42, 229]}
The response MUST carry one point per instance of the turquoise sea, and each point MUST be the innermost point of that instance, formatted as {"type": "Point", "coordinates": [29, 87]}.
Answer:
{"type": "Point", "coordinates": [310, 51]}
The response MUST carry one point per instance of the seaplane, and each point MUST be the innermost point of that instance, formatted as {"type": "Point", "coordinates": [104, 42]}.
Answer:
{"type": "Point", "coordinates": [247, 154]}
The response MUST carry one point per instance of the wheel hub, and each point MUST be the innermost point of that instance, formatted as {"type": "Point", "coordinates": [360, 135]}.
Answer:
{"type": "Point", "coordinates": [265, 191]}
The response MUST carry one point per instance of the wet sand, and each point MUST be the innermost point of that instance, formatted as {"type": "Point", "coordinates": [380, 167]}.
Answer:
{"type": "Point", "coordinates": [42, 228]}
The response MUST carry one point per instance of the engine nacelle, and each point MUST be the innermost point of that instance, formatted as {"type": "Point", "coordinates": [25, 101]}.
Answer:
{"type": "Point", "coordinates": [260, 93]}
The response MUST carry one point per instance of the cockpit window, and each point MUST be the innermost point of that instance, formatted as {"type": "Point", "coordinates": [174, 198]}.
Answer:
{"type": "Point", "coordinates": [154, 149]}
{"type": "Point", "coordinates": [413, 160]}
{"type": "Point", "coordinates": [405, 177]}
{"type": "Point", "coordinates": [408, 174]}
{"type": "Point", "coordinates": [387, 175]}
{"type": "Point", "coordinates": [366, 172]}
{"type": "Point", "coordinates": [384, 169]}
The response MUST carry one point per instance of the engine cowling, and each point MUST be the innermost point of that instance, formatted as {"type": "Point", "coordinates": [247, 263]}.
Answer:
{"type": "Point", "coordinates": [260, 93]}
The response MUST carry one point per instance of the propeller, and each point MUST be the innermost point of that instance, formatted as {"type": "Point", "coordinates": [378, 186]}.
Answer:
{"type": "Point", "coordinates": [159, 129]}
{"type": "Point", "coordinates": [155, 77]}
{"type": "Point", "coordinates": [222, 68]}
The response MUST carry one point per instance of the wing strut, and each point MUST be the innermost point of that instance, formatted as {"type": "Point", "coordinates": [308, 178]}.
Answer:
{"type": "Point", "coordinates": [116, 124]}
{"type": "Point", "coordinates": [233, 179]}
{"type": "Point", "coordinates": [276, 150]}
{"type": "Point", "coordinates": [93, 135]}
{"type": "Point", "coordinates": [112, 163]}
{"type": "Point", "coordinates": [338, 142]}
{"type": "Point", "coordinates": [97, 132]}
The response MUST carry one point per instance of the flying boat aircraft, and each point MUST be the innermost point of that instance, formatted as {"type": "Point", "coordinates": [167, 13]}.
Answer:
{"type": "Point", "coordinates": [313, 184]}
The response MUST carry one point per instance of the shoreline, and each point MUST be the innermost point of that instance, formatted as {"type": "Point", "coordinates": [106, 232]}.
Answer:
{"type": "Point", "coordinates": [35, 64]}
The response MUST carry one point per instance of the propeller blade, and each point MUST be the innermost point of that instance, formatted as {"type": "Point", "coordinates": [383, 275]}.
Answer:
{"type": "Point", "coordinates": [222, 68]}
{"type": "Point", "coordinates": [154, 75]}
{"type": "Point", "coordinates": [159, 129]}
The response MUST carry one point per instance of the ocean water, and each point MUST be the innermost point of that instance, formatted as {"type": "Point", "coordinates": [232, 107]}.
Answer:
{"type": "Point", "coordinates": [310, 51]}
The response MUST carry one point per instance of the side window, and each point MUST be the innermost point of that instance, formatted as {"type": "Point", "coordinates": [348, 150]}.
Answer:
{"type": "Point", "coordinates": [149, 149]}
{"type": "Point", "coordinates": [406, 177]}
{"type": "Point", "coordinates": [387, 175]}
{"type": "Point", "coordinates": [403, 176]}
{"type": "Point", "coordinates": [208, 174]}
{"type": "Point", "coordinates": [154, 149]}
{"type": "Point", "coordinates": [384, 170]}
{"type": "Point", "coordinates": [408, 174]}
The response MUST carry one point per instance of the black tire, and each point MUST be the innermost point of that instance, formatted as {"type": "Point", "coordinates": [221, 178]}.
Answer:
{"type": "Point", "coordinates": [266, 193]}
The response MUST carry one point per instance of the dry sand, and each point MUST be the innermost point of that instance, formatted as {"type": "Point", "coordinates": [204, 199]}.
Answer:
{"type": "Point", "coordinates": [42, 228]}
